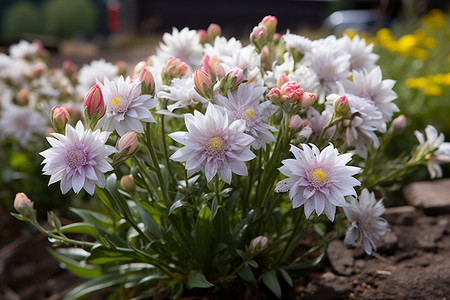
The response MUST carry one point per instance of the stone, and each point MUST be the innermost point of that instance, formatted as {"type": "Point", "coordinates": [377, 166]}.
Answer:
{"type": "Point", "coordinates": [432, 196]}
{"type": "Point", "coordinates": [340, 257]}
{"type": "Point", "coordinates": [401, 215]}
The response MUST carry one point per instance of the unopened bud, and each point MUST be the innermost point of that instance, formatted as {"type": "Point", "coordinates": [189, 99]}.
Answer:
{"type": "Point", "coordinates": [128, 143]}
{"type": "Point", "coordinates": [259, 243]}
{"type": "Point", "coordinates": [341, 106]}
{"type": "Point", "coordinates": [259, 36]}
{"type": "Point", "coordinates": [127, 183]}
{"type": "Point", "coordinates": [94, 105]}
{"type": "Point", "coordinates": [307, 100]}
{"type": "Point", "coordinates": [203, 36]}
{"type": "Point", "coordinates": [291, 92]}
{"type": "Point", "coordinates": [270, 23]}
{"type": "Point", "coordinates": [231, 80]}
{"type": "Point", "coordinates": [213, 67]}
{"type": "Point", "coordinates": [174, 68]}
{"type": "Point", "coordinates": [203, 84]}
{"type": "Point", "coordinates": [122, 67]}
{"type": "Point", "coordinates": [23, 205]}
{"type": "Point", "coordinates": [147, 82]}
{"type": "Point", "coordinates": [237, 73]}
{"type": "Point", "coordinates": [22, 96]}
{"type": "Point", "coordinates": [295, 122]}
{"type": "Point", "coordinates": [282, 80]}
{"type": "Point", "coordinates": [213, 31]}
{"type": "Point", "coordinates": [60, 117]}
{"type": "Point", "coordinates": [274, 95]}
{"type": "Point", "coordinates": [68, 67]}
{"type": "Point", "coordinates": [399, 124]}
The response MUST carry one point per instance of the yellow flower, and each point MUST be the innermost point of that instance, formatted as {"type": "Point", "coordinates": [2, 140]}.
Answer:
{"type": "Point", "coordinates": [419, 53]}
{"type": "Point", "coordinates": [433, 90]}
{"type": "Point", "coordinates": [406, 43]}
{"type": "Point", "coordinates": [434, 19]}
{"type": "Point", "coordinates": [416, 83]}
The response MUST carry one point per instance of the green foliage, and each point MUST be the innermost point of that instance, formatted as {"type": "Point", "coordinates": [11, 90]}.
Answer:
{"type": "Point", "coordinates": [20, 17]}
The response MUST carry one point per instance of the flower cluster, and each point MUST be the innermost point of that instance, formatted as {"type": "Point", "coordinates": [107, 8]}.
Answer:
{"type": "Point", "coordinates": [229, 155]}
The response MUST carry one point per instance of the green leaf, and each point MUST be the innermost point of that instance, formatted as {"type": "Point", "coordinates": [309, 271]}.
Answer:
{"type": "Point", "coordinates": [102, 255]}
{"type": "Point", "coordinates": [214, 207]}
{"type": "Point", "coordinates": [80, 227]}
{"type": "Point", "coordinates": [296, 270]}
{"type": "Point", "coordinates": [203, 233]}
{"type": "Point", "coordinates": [79, 268]}
{"type": "Point", "coordinates": [176, 291]}
{"type": "Point", "coordinates": [286, 277]}
{"type": "Point", "coordinates": [271, 281]}
{"type": "Point", "coordinates": [221, 225]}
{"type": "Point", "coordinates": [149, 222]}
{"type": "Point", "coordinates": [198, 280]}
{"type": "Point", "coordinates": [247, 275]}
{"type": "Point", "coordinates": [178, 204]}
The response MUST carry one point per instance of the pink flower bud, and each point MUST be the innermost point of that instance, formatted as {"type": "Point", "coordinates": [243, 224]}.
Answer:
{"type": "Point", "coordinates": [277, 37]}
{"type": "Point", "coordinates": [148, 82]}
{"type": "Point", "coordinates": [259, 36]}
{"type": "Point", "coordinates": [213, 31]}
{"type": "Point", "coordinates": [94, 102]}
{"type": "Point", "coordinates": [238, 73]}
{"type": "Point", "coordinates": [128, 142]}
{"type": "Point", "coordinates": [270, 23]}
{"type": "Point", "coordinates": [212, 66]}
{"type": "Point", "coordinates": [291, 92]}
{"type": "Point", "coordinates": [22, 96]}
{"type": "Point", "coordinates": [23, 205]}
{"type": "Point", "coordinates": [259, 243]}
{"type": "Point", "coordinates": [274, 95]}
{"type": "Point", "coordinates": [295, 122]}
{"type": "Point", "coordinates": [307, 100]}
{"type": "Point", "coordinates": [203, 83]}
{"type": "Point", "coordinates": [282, 80]}
{"type": "Point", "coordinates": [203, 36]}
{"type": "Point", "coordinates": [341, 106]}
{"type": "Point", "coordinates": [399, 123]}
{"type": "Point", "coordinates": [174, 68]}
{"type": "Point", "coordinates": [122, 67]}
{"type": "Point", "coordinates": [127, 182]}
{"type": "Point", "coordinates": [60, 117]}
{"type": "Point", "coordinates": [69, 67]}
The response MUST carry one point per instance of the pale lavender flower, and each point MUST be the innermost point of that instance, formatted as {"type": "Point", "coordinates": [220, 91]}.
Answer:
{"type": "Point", "coordinates": [244, 104]}
{"type": "Point", "coordinates": [222, 47]}
{"type": "Point", "coordinates": [182, 91]}
{"type": "Point", "coordinates": [21, 123]}
{"type": "Point", "coordinates": [367, 227]}
{"type": "Point", "coordinates": [319, 180]}
{"type": "Point", "coordinates": [95, 71]}
{"type": "Point", "coordinates": [79, 159]}
{"type": "Point", "coordinates": [439, 152]}
{"type": "Point", "coordinates": [125, 107]}
{"type": "Point", "coordinates": [297, 42]}
{"type": "Point", "coordinates": [23, 50]}
{"type": "Point", "coordinates": [361, 54]}
{"type": "Point", "coordinates": [214, 144]}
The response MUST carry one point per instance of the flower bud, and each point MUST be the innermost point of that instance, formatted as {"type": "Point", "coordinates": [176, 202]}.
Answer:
{"type": "Point", "coordinates": [295, 122]}
{"type": "Point", "coordinates": [127, 183]}
{"type": "Point", "coordinates": [212, 66]}
{"type": "Point", "coordinates": [203, 36]}
{"type": "Point", "coordinates": [307, 100]}
{"type": "Point", "coordinates": [258, 37]}
{"type": "Point", "coordinates": [213, 31]}
{"type": "Point", "coordinates": [22, 96]}
{"type": "Point", "coordinates": [203, 84]}
{"type": "Point", "coordinates": [341, 106]}
{"type": "Point", "coordinates": [259, 243]}
{"type": "Point", "coordinates": [147, 82]}
{"type": "Point", "coordinates": [399, 124]}
{"type": "Point", "coordinates": [23, 205]}
{"type": "Point", "coordinates": [60, 117]}
{"type": "Point", "coordinates": [282, 80]}
{"type": "Point", "coordinates": [94, 103]}
{"type": "Point", "coordinates": [231, 80]}
{"type": "Point", "coordinates": [68, 67]}
{"type": "Point", "coordinates": [128, 143]}
{"type": "Point", "coordinates": [174, 68]}
{"type": "Point", "coordinates": [237, 73]}
{"type": "Point", "coordinates": [274, 95]}
{"type": "Point", "coordinates": [270, 23]}
{"type": "Point", "coordinates": [291, 92]}
{"type": "Point", "coordinates": [122, 67]}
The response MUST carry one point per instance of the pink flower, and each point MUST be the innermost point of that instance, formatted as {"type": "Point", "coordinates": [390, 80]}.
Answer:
{"type": "Point", "coordinates": [291, 92]}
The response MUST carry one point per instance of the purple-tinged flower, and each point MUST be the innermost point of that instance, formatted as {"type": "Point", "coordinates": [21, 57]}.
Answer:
{"type": "Point", "coordinates": [319, 180]}
{"type": "Point", "coordinates": [213, 144]}
{"type": "Point", "coordinates": [438, 151]}
{"type": "Point", "coordinates": [367, 227]}
{"type": "Point", "coordinates": [78, 159]}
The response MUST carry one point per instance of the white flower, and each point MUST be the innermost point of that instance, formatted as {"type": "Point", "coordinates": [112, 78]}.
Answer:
{"type": "Point", "coordinates": [125, 108]}
{"type": "Point", "coordinates": [319, 180]}
{"type": "Point", "coordinates": [182, 91]}
{"type": "Point", "coordinates": [93, 72]}
{"type": "Point", "coordinates": [300, 43]}
{"type": "Point", "coordinates": [439, 152]}
{"type": "Point", "coordinates": [184, 44]}
{"type": "Point", "coordinates": [213, 144]}
{"type": "Point", "coordinates": [244, 104]}
{"type": "Point", "coordinates": [21, 123]}
{"type": "Point", "coordinates": [361, 55]}
{"type": "Point", "coordinates": [248, 60]}
{"type": "Point", "coordinates": [78, 159]}
{"type": "Point", "coordinates": [367, 227]}
{"type": "Point", "coordinates": [223, 47]}
{"type": "Point", "coordinates": [23, 50]}
{"type": "Point", "coordinates": [370, 85]}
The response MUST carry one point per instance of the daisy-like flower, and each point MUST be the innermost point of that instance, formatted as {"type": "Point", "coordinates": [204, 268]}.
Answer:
{"type": "Point", "coordinates": [214, 144]}
{"type": "Point", "coordinates": [438, 151]}
{"type": "Point", "coordinates": [78, 159]}
{"type": "Point", "coordinates": [367, 227]}
{"type": "Point", "coordinates": [182, 91]}
{"type": "Point", "coordinates": [297, 42]}
{"type": "Point", "coordinates": [248, 60]}
{"type": "Point", "coordinates": [361, 55]}
{"type": "Point", "coordinates": [23, 50]}
{"type": "Point", "coordinates": [21, 123]}
{"type": "Point", "coordinates": [319, 180]}
{"type": "Point", "coordinates": [93, 72]}
{"type": "Point", "coordinates": [243, 104]}
{"type": "Point", "coordinates": [184, 44]}
{"type": "Point", "coordinates": [370, 85]}
{"type": "Point", "coordinates": [125, 108]}
{"type": "Point", "coordinates": [222, 47]}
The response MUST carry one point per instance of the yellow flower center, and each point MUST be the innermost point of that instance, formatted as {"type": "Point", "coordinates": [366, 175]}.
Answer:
{"type": "Point", "coordinates": [119, 104]}
{"type": "Point", "coordinates": [215, 146]}
{"type": "Point", "coordinates": [249, 114]}
{"type": "Point", "coordinates": [318, 177]}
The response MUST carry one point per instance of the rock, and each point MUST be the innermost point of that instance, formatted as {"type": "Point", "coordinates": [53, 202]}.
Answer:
{"type": "Point", "coordinates": [401, 215]}
{"type": "Point", "coordinates": [340, 257]}
{"type": "Point", "coordinates": [389, 243]}
{"type": "Point", "coordinates": [432, 196]}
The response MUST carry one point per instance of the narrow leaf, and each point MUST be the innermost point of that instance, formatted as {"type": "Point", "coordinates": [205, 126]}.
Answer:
{"type": "Point", "coordinates": [271, 281]}
{"type": "Point", "coordinates": [198, 280]}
